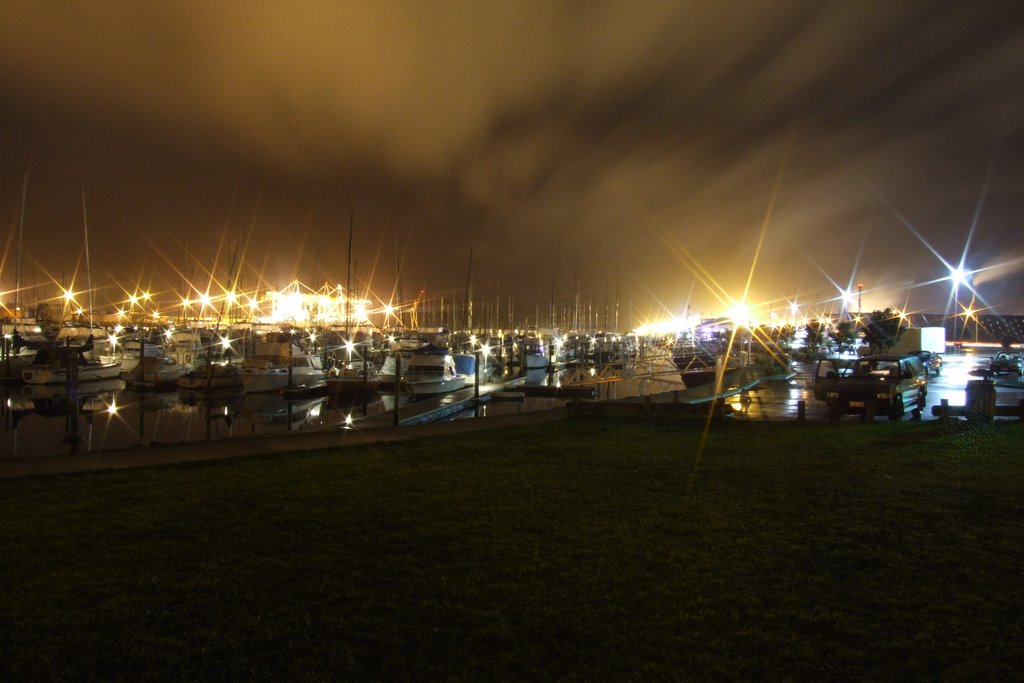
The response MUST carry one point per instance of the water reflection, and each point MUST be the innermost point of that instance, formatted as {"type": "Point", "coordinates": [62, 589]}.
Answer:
{"type": "Point", "coordinates": [47, 420]}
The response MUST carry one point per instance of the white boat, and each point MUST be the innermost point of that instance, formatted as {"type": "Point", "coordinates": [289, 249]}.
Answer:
{"type": "Point", "coordinates": [278, 363]}
{"type": "Point", "coordinates": [189, 346]}
{"type": "Point", "coordinates": [129, 351]}
{"type": "Point", "coordinates": [535, 353]}
{"type": "Point", "coordinates": [52, 366]}
{"type": "Point", "coordinates": [94, 341]}
{"type": "Point", "coordinates": [431, 372]}
{"type": "Point", "coordinates": [19, 351]}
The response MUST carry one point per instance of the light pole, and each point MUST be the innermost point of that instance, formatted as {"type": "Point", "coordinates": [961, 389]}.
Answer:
{"type": "Point", "coordinates": [956, 276]}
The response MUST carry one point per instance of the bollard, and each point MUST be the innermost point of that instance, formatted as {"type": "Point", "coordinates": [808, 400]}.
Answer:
{"type": "Point", "coordinates": [1020, 409]}
{"type": "Point", "coordinates": [801, 410]}
{"type": "Point", "coordinates": [944, 409]}
{"type": "Point", "coordinates": [981, 399]}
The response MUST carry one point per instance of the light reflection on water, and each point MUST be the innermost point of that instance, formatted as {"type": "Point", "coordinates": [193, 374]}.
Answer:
{"type": "Point", "coordinates": [41, 420]}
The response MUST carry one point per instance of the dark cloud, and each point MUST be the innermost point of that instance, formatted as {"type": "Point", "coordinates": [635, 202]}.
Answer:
{"type": "Point", "coordinates": [550, 138]}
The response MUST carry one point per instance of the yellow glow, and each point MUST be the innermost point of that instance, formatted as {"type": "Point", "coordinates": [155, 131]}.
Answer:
{"type": "Point", "coordinates": [204, 298]}
{"type": "Point", "coordinates": [360, 311]}
{"type": "Point", "coordinates": [68, 295]}
{"type": "Point", "coordinates": [739, 314]}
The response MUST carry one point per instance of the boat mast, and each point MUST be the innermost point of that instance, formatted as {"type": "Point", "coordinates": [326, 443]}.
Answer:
{"type": "Point", "coordinates": [469, 295]}
{"type": "Point", "coordinates": [348, 284]}
{"type": "Point", "coordinates": [88, 272]}
{"type": "Point", "coordinates": [21, 232]}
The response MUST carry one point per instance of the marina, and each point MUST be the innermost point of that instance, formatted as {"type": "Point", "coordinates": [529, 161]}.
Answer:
{"type": "Point", "coordinates": [213, 402]}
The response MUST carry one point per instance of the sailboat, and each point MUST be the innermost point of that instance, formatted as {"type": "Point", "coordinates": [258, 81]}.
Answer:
{"type": "Point", "coordinates": [74, 362]}
{"type": "Point", "coordinates": [21, 351]}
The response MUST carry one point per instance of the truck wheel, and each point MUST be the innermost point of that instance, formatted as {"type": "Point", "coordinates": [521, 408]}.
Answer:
{"type": "Point", "coordinates": [896, 409]}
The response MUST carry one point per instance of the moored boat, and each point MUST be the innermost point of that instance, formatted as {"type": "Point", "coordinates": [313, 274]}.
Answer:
{"type": "Point", "coordinates": [352, 379]}
{"type": "Point", "coordinates": [57, 364]}
{"type": "Point", "coordinates": [278, 363]}
{"type": "Point", "coordinates": [432, 372]}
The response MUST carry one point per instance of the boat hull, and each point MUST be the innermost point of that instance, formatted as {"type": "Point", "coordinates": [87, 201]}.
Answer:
{"type": "Point", "coordinates": [87, 372]}
{"type": "Point", "coordinates": [435, 386]}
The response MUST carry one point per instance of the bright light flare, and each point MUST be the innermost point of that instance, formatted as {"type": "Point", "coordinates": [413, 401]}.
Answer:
{"type": "Point", "coordinates": [958, 276]}
{"type": "Point", "coordinates": [739, 314]}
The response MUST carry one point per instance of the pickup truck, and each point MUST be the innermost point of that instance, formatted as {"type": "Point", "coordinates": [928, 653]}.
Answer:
{"type": "Point", "coordinates": [872, 385]}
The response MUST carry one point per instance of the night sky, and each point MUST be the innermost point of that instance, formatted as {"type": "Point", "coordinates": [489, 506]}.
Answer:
{"type": "Point", "coordinates": [641, 148]}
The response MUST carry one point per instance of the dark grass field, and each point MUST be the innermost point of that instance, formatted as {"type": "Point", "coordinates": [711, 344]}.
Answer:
{"type": "Point", "coordinates": [595, 549]}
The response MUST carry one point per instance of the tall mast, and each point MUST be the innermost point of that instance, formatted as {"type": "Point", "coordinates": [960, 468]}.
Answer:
{"type": "Point", "coordinates": [551, 304]}
{"type": "Point", "coordinates": [398, 282]}
{"type": "Point", "coordinates": [348, 284]}
{"type": "Point", "coordinates": [618, 273]}
{"type": "Point", "coordinates": [469, 294]}
{"type": "Point", "coordinates": [88, 272]}
{"type": "Point", "coordinates": [21, 232]}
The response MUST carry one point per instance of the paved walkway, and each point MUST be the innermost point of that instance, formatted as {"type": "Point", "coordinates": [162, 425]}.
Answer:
{"type": "Point", "coordinates": [261, 444]}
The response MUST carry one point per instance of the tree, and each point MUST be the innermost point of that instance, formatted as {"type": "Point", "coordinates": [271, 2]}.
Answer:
{"type": "Point", "coordinates": [844, 335]}
{"type": "Point", "coordinates": [814, 332]}
{"type": "Point", "coordinates": [882, 330]}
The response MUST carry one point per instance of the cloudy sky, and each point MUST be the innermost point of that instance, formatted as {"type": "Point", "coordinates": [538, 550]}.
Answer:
{"type": "Point", "coordinates": [657, 150]}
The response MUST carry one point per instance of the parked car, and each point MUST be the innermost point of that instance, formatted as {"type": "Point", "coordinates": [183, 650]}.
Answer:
{"type": "Point", "coordinates": [872, 385]}
{"type": "Point", "coordinates": [932, 361]}
{"type": "Point", "coordinates": [1006, 361]}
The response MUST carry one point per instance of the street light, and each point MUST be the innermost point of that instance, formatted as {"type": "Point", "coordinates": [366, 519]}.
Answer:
{"type": "Point", "coordinates": [957, 276]}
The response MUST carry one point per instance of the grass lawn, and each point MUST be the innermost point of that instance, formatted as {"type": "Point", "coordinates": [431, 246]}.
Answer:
{"type": "Point", "coordinates": [594, 549]}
